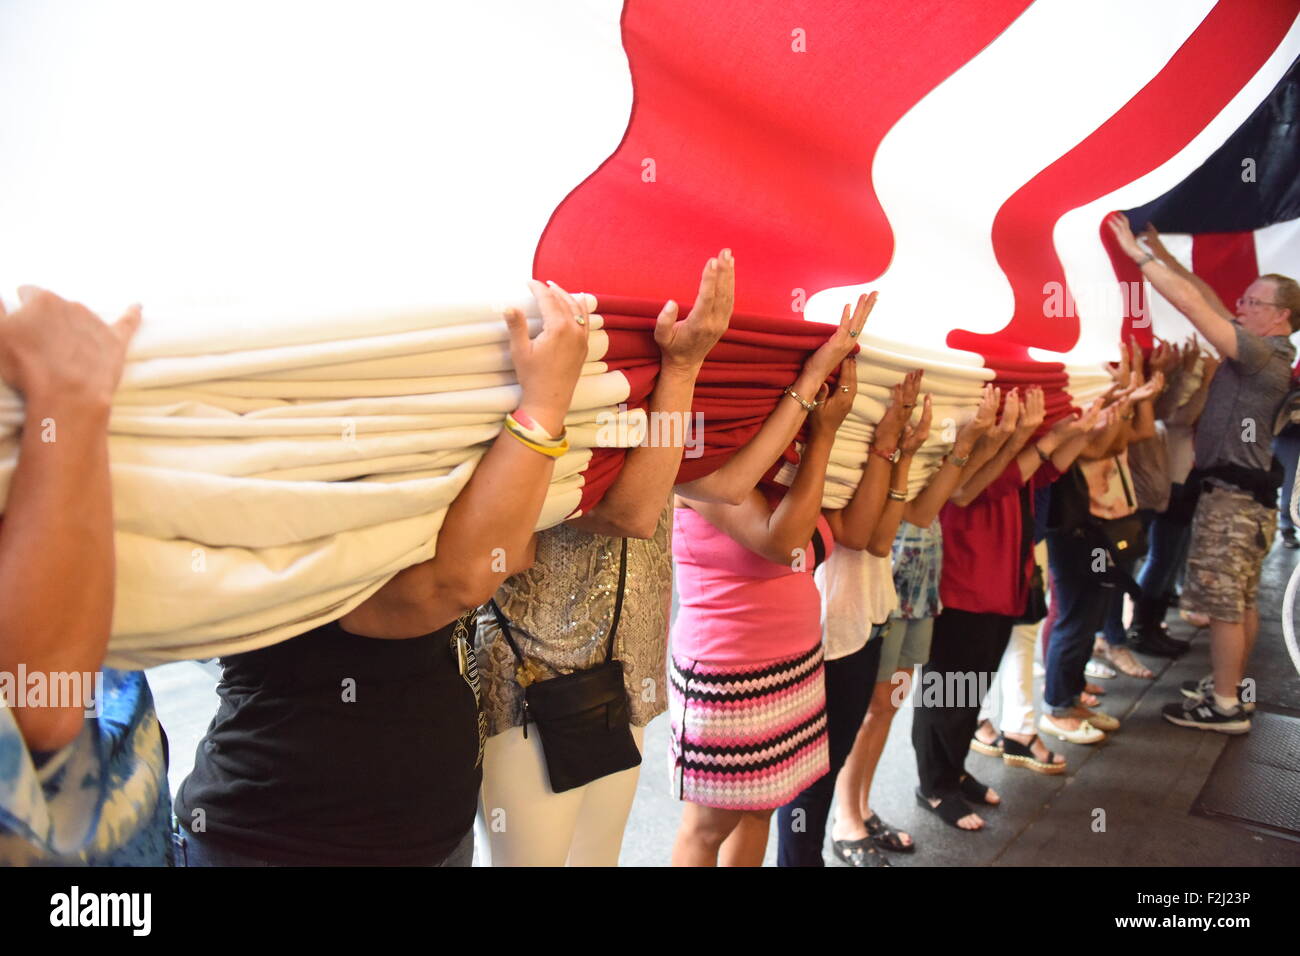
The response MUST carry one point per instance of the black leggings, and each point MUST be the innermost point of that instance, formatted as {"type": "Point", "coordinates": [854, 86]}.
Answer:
{"type": "Point", "coordinates": [964, 656]}
{"type": "Point", "coordinates": [801, 823]}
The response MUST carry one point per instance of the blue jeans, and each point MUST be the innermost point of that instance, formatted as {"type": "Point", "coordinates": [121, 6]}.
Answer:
{"type": "Point", "coordinates": [198, 850]}
{"type": "Point", "coordinates": [1081, 596]}
{"type": "Point", "coordinates": [1286, 449]}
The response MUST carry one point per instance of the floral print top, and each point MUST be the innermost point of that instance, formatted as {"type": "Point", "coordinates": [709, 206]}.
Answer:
{"type": "Point", "coordinates": [918, 563]}
{"type": "Point", "coordinates": [102, 800]}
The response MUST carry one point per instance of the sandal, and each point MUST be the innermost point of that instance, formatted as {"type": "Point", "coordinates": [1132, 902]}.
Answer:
{"type": "Point", "coordinates": [950, 809]}
{"type": "Point", "coordinates": [1089, 700]}
{"type": "Point", "coordinates": [1022, 755]}
{"type": "Point", "coordinates": [885, 836]}
{"type": "Point", "coordinates": [859, 853]}
{"type": "Point", "coordinates": [974, 791]}
{"type": "Point", "coordinates": [989, 750]}
{"type": "Point", "coordinates": [1123, 658]}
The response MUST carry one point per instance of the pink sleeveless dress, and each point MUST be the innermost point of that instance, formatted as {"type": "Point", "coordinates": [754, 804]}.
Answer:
{"type": "Point", "coordinates": [746, 697]}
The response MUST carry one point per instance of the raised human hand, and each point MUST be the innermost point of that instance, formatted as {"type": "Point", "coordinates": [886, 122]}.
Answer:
{"type": "Point", "coordinates": [981, 424]}
{"type": "Point", "coordinates": [685, 344]}
{"type": "Point", "coordinates": [1010, 419]}
{"type": "Point", "coordinates": [1150, 238]}
{"type": "Point", "coordinates": [1034, 412]}
{"type": "Point", "coordinates": [889, 430]}
{"type": "Point", "coordinates": [914, 435]}
{"type": "Point", "coordinates": [1119, 228]}
{"type": "Point", "coordinates": [833, 351]}
{"type": "Point", "coordinates": [834, 406]}
{"type": "Point", "coordinates": [1149, 390]}
{"type": "Point", "coordinates": [50, 347]}
{"type": "Point", "coordinates": [548, 366]}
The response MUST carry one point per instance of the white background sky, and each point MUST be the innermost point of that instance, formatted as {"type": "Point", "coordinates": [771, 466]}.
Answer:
{"type": "Point", "coordinates": [206, 154]}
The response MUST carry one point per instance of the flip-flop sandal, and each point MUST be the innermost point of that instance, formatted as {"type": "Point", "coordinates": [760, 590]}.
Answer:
{"type": "Point", "coordinates": [859, 853]}
{"type": "Point", "coordinates": [885, 836]}
{"type": "Point", "coordinates": [974, 791]}
{"type": "Point", "coordinates": [950, 809]}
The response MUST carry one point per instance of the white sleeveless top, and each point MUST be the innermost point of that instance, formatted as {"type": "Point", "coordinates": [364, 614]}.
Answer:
{"type": "Point", "coordinates": [857, 591]}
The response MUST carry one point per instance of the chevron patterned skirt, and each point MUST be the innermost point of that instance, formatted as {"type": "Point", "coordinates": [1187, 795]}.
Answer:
{"type": "Point", "coordinates": [747, 737]}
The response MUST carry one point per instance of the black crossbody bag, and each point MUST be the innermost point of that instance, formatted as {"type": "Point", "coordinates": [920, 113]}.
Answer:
{"type": "Point", "coordinates": [1121, 538]}
{"type": "Point", "coordinates": [583, 717]}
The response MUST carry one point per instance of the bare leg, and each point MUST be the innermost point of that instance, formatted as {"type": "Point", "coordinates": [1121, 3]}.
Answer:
{"type": "Point", "coordinates": [872, 737]}
{"type": "Point", "coordinates": [748, 841]}
{"type": "Point", "coordinates": [1251, 621]}
{"type": "Point", "coordinates": [1228, 650]}
{"type": "Point", "coordinates": [701, 834]}
{"type": "Point", "coordinates": [854, 778]}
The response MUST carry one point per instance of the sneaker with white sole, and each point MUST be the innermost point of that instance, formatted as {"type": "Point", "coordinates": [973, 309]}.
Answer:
{"type": "Point", "coordinates": [1192, 689]}
{"type": "Point", "coordinates": [1201, 713]}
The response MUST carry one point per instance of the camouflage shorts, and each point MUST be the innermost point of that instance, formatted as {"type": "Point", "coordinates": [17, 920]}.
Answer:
{"type": "Point", "coordinates": [1231, 534]}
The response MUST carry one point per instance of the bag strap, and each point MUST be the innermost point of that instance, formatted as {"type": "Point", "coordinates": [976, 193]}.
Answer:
{"type": "Point", "coordinates": [504, 623]}
{"type": "Point", "coordinates": [618, 602]}
{"type": "Point", "coordinates": [505, 629]}
{"type": "Point", "coordinates": [1130, 498]}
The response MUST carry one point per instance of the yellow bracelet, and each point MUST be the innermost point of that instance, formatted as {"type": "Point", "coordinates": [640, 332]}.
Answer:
{"type": "Point", "coordinates": [553, 449]}
{"type": "Point", "coordinates": [533, 431]}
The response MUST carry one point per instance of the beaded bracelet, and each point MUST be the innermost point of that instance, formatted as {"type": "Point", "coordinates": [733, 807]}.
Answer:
{"type": "Point", "coordinates": [807, 405]}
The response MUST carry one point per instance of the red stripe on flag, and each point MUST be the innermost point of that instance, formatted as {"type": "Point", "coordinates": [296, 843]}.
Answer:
{"type": "Point", "coordinates": [1226, 260]}
{"type": "Point", "coordinates": [754, 125]}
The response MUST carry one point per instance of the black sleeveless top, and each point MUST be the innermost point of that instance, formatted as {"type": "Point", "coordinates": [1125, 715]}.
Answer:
{"type": "Point", "coordinates": [332, 748]}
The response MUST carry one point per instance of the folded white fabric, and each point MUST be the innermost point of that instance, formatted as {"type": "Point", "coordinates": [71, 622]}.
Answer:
{"type": "Point", "coordinates": [269, 476]}
{"type": "Point", "coordinates": [267, 479]}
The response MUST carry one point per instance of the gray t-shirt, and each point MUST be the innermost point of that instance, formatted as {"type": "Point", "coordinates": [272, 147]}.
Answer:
{"type": "Point", "coordinates": [1236, 427]}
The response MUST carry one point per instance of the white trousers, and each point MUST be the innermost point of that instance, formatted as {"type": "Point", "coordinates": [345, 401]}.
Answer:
{"type": "Point", "coordinates": [1014, 688]}
{"type": "Point", "coordinates": [522, 823]}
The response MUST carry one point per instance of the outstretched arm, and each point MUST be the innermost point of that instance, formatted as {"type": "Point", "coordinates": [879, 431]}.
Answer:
{"type": "Point", "coordinates": [882, 536]}
{"type": "Point", "coordinates": [969, 453]}
{"type": "Point", "coordinates": [1208, 316]}
{"type": "Point", "coordinates": [737, 476]}
{"type": "Point", "coordinates": [632, 505]}
{"type": "Point", "coordinates": [488, 530]}
{"type": "Point", "coordinates": [856, 524]}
